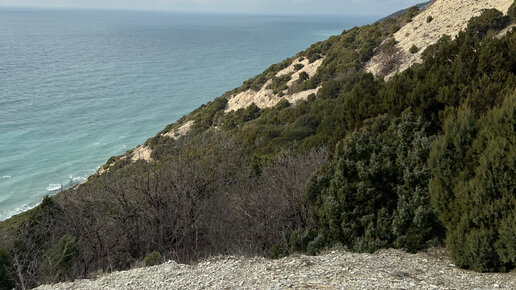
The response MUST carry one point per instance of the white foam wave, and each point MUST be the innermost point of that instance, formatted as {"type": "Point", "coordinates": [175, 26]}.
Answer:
{"type": "Point", "coordinates": [9, 213]}
{"type": "Point", "coordinates": [54, 187]}
{"type": "Point", "coordinates": [6, 176]}
{"type": "Point", "coordinates": [77, 178]}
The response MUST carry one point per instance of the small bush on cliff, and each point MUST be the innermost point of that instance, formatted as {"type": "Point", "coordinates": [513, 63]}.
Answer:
{"type": "Point", "coordinates": [474, 189]}
{"type": "Point", "coordinates": [298, 66]}
{"type": "Point", "coordinates": [206, 115]}
{"type": "Point", "coordinates": [250, 113]}
{"type": "Point", "coordinates": [388, 44]}
{"type": "Point", "coordinates": [490, 19]}
{"type": "Point", "coordinates": [303, 76]}
{"type": "Point", "coordinates": [152, 259]}
{"type": "Point", "coordinates": [411, 13]}
{"type": "Point", "coordinates": [280, 83]}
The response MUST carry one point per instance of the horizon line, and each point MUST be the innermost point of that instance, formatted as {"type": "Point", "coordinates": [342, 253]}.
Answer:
{"type": "Point", "coordinates": [186, 11]}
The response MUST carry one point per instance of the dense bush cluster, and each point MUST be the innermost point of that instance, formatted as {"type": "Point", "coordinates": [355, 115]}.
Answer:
{"type": "Point", "coordinates": [474, 186]}
{"type": "Point", "coordinates": [374, 194]}
{"type": "Point", "coordinates": [425, 157]}
{"type": "Point", "coordinates": [489, 20]}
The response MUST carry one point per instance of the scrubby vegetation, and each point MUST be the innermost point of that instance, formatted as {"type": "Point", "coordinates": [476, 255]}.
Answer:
{"type": "Point", "coordinates": [511, 13]}
{"type": "Point", "coordinates": [374, 193]}
{"type": "Point", "coordinates": [425, 158]}
{"type": "Point", "coordinates": [152, 259]}
{"type": "Point", "coordinates": [474, 186]}
{"type": "Point", "coordinates": [411, 13]}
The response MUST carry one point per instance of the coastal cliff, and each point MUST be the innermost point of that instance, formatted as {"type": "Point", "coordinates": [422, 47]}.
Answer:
{"type": "Point", "coordinates": [398, 134]}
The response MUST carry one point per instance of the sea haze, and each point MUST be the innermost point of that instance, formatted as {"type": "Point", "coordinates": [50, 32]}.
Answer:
{"type": "Point", "coordinates": [77, 87]}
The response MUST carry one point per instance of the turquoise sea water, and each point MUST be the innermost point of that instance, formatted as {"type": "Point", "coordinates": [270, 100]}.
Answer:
{"type": "Point", "coordinates": [77, 87]}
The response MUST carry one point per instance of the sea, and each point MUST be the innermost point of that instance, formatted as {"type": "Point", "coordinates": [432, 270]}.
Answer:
{"type": "Point", "coordinates": [79, 86]}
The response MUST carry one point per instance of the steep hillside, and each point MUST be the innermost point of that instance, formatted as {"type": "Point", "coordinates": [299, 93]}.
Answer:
{"type": "Point", "coordinates": [312, 153]}
{"type": "Point", "coordinates": [442, 17]}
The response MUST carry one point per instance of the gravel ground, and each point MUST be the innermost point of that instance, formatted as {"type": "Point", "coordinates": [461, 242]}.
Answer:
{"type": "Point", "coordinates": [335, 269]}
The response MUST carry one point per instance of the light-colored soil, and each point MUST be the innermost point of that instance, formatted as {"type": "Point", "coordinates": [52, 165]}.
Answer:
{"type": "Point", "coordinates": [449, 18]}
{"type": "Point", "coordinates": [181, 131]}
{"type": "Point", "coordinates": [265, 98]}
{"type": "Point", "coordinates": [336, 269]}
{"type": "Point", "coordinates": [142, 152]}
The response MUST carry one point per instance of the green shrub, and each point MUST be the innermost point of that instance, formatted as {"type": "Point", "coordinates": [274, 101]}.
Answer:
{"type": "Point", "coordinates": [204, 117]}
{"type": "Point", "coordinates": [511, 13]}
{"type": "Point", "coordinates": [474, 189]}
{"type": "Point", "coordinates": [413, 11]}
{"type": "Point", "coordinates": [374, 193]}
{"type": "Point", "coordinates": [390, 43]}
{"type": "Point", "coordinates": [298, 66]}
{"type": "Point", "coordinates": [152, 259]}
{"type": "Point", "coordinates": [256, 83]}
{"type": "Point", "coordinates": [303, 76]}
{"type": "Point", "coordinates": [279, 84]}
{"type": "Point", "coordinates": [329, 90]}
{"type": "Point", "coordinates": [282, 104]}
{"type": "Point", "coordinates": [58, 260]}
{"type": "Point", "coordinates": [429, 19]}
{"type": "Point", "coordinates": [395, 28]}
{"type": "Point", "coordinates": [413, 49]}
{"type": "Point", "coordinates": [314, 57]}
{"type": "Point", "coordinates": [490, 19]}
{"type": "Point", "coordinates": [250, 113]}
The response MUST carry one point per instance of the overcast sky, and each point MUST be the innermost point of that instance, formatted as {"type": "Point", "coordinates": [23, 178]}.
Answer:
{"type": "Point", "coordinates": [281, 7]}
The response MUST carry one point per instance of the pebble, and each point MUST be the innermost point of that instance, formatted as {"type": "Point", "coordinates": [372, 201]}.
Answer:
{"type": "Point", "coordinates": [336, 269]}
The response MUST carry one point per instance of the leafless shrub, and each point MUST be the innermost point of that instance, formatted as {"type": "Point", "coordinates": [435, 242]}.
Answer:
{"type": "Point", "coordinates": [295, 87]}
{"type": "Point", "coordinates": [202, 200]}
{"type": "Point", "coordinates": [390, 61]}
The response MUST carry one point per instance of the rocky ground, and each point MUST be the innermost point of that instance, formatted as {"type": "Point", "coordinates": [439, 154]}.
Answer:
{"type": "Point", "coordinates": [335, 269]}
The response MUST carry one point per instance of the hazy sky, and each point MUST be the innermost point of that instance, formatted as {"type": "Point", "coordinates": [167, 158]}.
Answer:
{"type": "Point", "coordinates": [283, 7]}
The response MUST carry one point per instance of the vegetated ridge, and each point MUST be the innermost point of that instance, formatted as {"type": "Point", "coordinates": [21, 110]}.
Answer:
{"type": "Point", "coordinates": [420, 6]}
{"type": "Point", "coordinates": [316, 151]}
{"type": "Point", "coordinates": [437, 19]}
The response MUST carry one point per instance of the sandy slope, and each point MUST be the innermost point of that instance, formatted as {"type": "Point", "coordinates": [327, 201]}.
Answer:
{"type": "Point", "coordinates": [265, 98]}
{"type": "Point", "coordinates": [423, 34]}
